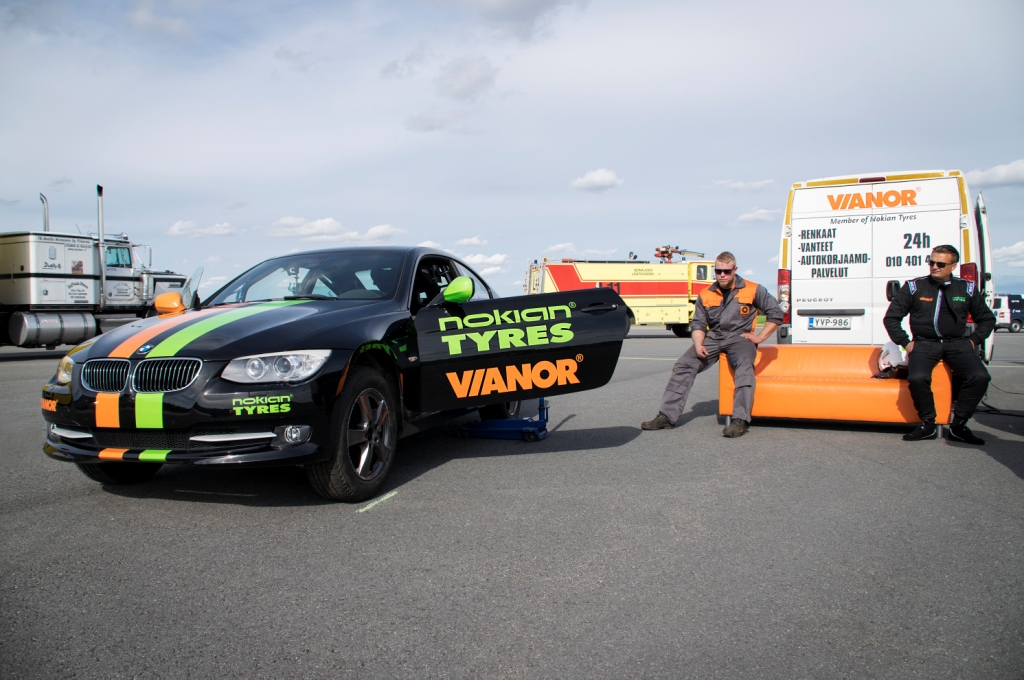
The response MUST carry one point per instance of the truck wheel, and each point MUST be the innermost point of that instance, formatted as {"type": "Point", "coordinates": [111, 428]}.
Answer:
{"type": "Point", "coordinates": [364, 439]}
{"type": "Point", "coordinates": [506, 411]}
{"type": "Point", "coordinates": [119, 473]}
{"type": "Point", "coordinates": [682, 330]}
{"type": "Point", "coordinates": [1015, 326]}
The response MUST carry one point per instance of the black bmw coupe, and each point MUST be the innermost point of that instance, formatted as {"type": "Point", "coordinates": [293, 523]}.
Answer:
{"type": "Point", "coordinates": [322, 359]}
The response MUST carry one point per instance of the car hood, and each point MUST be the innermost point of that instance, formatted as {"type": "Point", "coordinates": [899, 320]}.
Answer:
{"type": "Point", "coordinates": [229, 331]}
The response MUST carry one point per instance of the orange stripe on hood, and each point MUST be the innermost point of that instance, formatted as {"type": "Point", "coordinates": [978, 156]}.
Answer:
{"type": "Point", "coordinates": [127, 348]}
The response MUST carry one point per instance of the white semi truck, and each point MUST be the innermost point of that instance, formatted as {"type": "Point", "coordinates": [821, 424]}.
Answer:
{"type": "Point", "coordinates": [54, 289]}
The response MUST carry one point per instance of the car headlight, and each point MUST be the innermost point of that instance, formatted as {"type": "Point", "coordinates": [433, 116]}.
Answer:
{"type": "Point", "coordinates": [276, 367]}
{"type": "Point", "coordinates": [64, 370]}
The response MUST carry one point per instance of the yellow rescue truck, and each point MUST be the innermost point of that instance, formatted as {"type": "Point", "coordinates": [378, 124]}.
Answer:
{"type": "Point", "coordinates": [662, 293]}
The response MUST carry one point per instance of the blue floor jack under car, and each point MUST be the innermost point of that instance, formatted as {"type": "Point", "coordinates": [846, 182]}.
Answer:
{"type": "Point", "coordinates": [527, 429]}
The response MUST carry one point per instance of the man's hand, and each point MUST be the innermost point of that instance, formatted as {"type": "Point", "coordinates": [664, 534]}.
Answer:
{"type": "Point", "coordinates": [910, 347]}
{"type": "Point", "coordinates": [701, 351]}
{"type": "Point", "coordinates": [756, 339]}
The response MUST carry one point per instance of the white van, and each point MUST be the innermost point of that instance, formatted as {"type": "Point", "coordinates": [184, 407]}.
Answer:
{"type": "Point", "coordinates": [848, 243]}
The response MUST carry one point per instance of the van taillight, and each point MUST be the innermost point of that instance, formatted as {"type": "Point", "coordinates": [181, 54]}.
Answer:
{"type": "Point", "coordinates": [969, 272]}
{"type": "Point", "coordinates": [784, 294]}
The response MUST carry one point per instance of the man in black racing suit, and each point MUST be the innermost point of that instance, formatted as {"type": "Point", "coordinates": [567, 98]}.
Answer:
{"type": "Point", "coordinates": [938, 306]}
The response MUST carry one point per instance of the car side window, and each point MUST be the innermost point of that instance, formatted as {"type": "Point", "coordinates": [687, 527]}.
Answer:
{"type": "Point", "coordinates": [480, 290]}
{"type": "Point", "coordinates": [998, 303]}
{"type": "Point", "coordinates": [432, 275]}
{"type": "Point", "coordinates": [702, 272]}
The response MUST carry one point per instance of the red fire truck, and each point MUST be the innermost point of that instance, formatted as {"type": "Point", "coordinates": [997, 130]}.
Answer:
{"type": "Point", "coordinates": [662, 293]}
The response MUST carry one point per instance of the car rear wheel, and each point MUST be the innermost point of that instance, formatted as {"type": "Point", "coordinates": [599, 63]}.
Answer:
{"type": "Point", "coordinates": [1015, 326]}
{"type": "Point", "coordinates": [506, 411]}
{"type": "Point", "coordinates": [365, 438]}
{"type": "Point", "coordinates": [119, 473]}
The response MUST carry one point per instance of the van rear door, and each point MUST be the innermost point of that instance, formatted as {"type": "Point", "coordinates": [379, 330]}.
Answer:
{"type": "Point", "coordinates": [506, 349]}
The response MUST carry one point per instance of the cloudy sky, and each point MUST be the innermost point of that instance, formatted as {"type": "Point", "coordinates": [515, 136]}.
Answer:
{"type": "Point", "coordinates": [226, 132]}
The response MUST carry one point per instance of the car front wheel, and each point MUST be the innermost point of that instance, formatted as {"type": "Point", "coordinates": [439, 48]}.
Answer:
{"type": "Point", "coordinates": [365, 437]}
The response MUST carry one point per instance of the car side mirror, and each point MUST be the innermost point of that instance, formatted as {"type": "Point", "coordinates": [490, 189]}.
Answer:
{"type": "Point", "coordinates": [891, 288]}
{"type": "Point", "coordinates": [988, 276]}
{"type": "Point", "coordinates": [169, 303]}
{"type": "Point", "coordinates": [460, 290]}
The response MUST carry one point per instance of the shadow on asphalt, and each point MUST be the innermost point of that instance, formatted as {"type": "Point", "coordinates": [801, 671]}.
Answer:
{"type": "Point", "coordinates": [257, 487]}
{"type": "Point", "coordinates": [417, 455]}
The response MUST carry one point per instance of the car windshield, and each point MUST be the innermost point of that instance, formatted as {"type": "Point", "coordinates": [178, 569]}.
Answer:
{"type": "Point", "coordinates": [347, 275]}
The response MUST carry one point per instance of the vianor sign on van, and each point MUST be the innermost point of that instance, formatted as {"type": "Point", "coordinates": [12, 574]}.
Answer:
{"type": "Point", "coordinates": [848, 241]}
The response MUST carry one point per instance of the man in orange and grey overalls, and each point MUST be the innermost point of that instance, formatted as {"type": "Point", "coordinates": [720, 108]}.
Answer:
{"type": "Point", "coordinates": [723, 322]}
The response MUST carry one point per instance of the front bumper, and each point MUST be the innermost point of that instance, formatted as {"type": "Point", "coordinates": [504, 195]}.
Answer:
{"type": "Point", "coordinates": [260, 455]}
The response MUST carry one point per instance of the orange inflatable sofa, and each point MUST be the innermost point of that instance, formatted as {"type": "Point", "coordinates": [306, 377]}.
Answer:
{"type": "Point", "coordinates": [830, 382]}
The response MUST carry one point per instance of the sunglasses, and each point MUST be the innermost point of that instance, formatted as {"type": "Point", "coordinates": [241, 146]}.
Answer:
{"type": "Point", "coordinates": [940, 265]}
{"type": "Point", "coordinates": [724, 271]}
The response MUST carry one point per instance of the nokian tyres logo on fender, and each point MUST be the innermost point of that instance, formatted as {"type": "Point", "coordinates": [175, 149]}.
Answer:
{"type": "Point", "coordinates": [258, 406]}
{"type": "Point", "coordinates": [508, 338]}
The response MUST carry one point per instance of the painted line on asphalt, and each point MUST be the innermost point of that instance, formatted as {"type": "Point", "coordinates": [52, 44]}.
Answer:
{"type": "Point", "coordinates": [372, 503]}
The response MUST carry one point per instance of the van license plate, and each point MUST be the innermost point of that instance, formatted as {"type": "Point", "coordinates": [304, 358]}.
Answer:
{"type": "Point", "coordinates": [830, 323]}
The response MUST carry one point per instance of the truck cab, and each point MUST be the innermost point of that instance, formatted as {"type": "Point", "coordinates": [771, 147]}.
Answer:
{"type": "Point", "coordinates": [50, 286]}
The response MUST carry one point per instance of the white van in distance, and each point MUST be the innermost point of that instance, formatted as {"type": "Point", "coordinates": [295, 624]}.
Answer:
{"type": "Point", "coordinates": [848, 243]}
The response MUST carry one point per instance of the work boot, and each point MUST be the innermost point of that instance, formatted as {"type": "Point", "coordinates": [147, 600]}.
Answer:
{"type": "Point", "coordinates": [959, 432]}
{"type": "Point", "coordinates": [925, 430]}
{"type": "Point", "coordinates": [735, 428]}
{"type": "Point", "coordinates": [660, 422]}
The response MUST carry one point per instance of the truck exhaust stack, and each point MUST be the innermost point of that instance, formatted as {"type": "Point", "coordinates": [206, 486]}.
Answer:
{"type": "Point", "coordinates": [102, 260]}
{"type": "Point", "coordinates": [46, 212]}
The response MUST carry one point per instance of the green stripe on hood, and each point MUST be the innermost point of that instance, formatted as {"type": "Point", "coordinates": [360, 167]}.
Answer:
{"type": "Point", "coordinates": [175, 343]}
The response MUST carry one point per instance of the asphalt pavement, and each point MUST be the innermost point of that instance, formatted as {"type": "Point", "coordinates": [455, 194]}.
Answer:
{"type": "Point", "coordinates": [799, 550]}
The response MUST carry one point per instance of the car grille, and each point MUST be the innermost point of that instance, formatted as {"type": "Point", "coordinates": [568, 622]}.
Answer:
{"type": "Point", "coordinates": [165, 439]}
{"type": "Point", "coordinates": [105, 375]}
{"type": "Point", "coordinates": [165, 375]}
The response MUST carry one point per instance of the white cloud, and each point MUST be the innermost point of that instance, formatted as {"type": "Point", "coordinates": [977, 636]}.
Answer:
{"type": "Point", "coordinates": [523, 19]}
{"type": "Point", "coordinates": [594, 251]}
{"type": "Point", "coordinates": [1011, 173]}
{"type": "Point", "coordinates": [192, 230]}
{"type": "Point", "coordinates": [236, 205]}
{"type": "Point", "coordinates": [146, 18]}
{"type": "Point", "coordinates": [757, 185]}
{"type": "Point", "coordinates": [296, 61]}
{"type": "Point", "coordinates": [496, 259]}
{"type": "Point", "coordinates": [516, 283]}
{"type": "Point", "coordinates": [1013, 255]}
{"type": "Point", "coordinates": [471, 241]}
{"type": "Point", "coordinates": [749, 272]}
{"type": "Point", "coordinates": [465, 79]}
{"type": "Point", "coordinates": [561, 248]}
{"type": "Point", "coordinates": [432, 121]}
{"type": "Point", "coordinates": [59, 183]}
{"type": "Point", "coordinates": [9, 203]}
{"type": "Point", "coordinates": [213, 282]}
{"type": "Point", "coordinates": [487, 271]}
{"type": "Point", "coordinates": [405, 67]}
{"type": "Point", "coordinates": [213, 259]}
{"type": "Point", "coordinates": [775, 258]}
{"type": "Point", "coordinates": [329, 229]}
{"type": "Point", "coordinates": [756, 215]}
{"type": "Point", "coordinates": [597, 181]}
{"type": "Point", "coordinates": [429, 244]}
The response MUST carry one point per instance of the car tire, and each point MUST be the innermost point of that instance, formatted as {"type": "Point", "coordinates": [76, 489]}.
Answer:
{"type": "Point", "coordinates": [630, 321]}
{"type": "Point", "coordinates": [364, 439]}
{"type": "Point", "coordinates": [682, 330]}
{"type": "Point", "coordinates": [505, 411]}
{"type": "Point", "coordinates": [1015, 326]}
{"type": "Point", "coordinates": [119, 473]}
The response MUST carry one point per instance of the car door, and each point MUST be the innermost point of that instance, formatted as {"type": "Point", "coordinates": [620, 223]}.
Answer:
{"type": "Point", "coordinates": [493, 351]}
